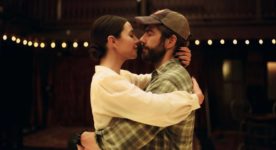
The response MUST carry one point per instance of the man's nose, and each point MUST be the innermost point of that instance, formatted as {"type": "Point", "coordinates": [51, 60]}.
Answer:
{"type": "Point", "coordinates": [142, 38]}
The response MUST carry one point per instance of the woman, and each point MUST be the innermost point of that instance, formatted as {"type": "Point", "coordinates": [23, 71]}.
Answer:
{"type": "Point", "coordinates": [118, 93]}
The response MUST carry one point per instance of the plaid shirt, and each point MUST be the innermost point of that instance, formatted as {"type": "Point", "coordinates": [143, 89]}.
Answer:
{"type": "Point", "coordinates": [123, 134]}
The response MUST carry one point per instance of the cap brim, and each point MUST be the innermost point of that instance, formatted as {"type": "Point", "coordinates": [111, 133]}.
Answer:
{"type": "Point", "coordinates": [147, 20]}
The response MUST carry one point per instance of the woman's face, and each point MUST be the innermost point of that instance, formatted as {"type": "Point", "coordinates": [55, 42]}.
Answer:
{"type": "Point", "coordinates": [127, 43]}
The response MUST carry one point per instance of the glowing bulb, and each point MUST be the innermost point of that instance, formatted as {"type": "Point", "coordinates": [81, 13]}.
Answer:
{"type": "Point", "coordinates": [222, 41]}
{"type": "Point", "coordinates": [235, 42]}
{"type": "Point", "coordinates": [273, 41]}
{"type": "Point", "coordinates": [13, 38]}
{"type": "Point", "coordinates": [25, 42]}
{"type": "Point", "coordinates": [85, 44]}
{"type": "Point", "coordinates": [18, 40]}
{"type": "Point", "coordinates": [75, 44]}
{"type": "Point", "coordinates": [35, 44]}
{"type": "Point", "coordinates": [247, 42]}
{"type": "Point", "coordinates": [30, 43]}
{"type": "Point", "coordinates": [261, 41]}
{"type": "Point", "coordinates": [5, 37]}
{"type": "Point", "coordinates": [53, 45]}
{"type": "Point", "coordinates": [42, 45]}
{"type": "Point", "coordinates": [63, 45]}
{"type": "Point", "coordinates": [210, 42]}
{"type": "Point", "coordinates": [197, 42]}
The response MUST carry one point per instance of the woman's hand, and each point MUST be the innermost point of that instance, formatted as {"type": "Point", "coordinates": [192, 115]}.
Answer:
{"type": "Point", "coordinates": [198, 91]}
{"type": "Point", "coordinates": [184, 55]}
{"type": "Point", "coordinates": [88, 141]}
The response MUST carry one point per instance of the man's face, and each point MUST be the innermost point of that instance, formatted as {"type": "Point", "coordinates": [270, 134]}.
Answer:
{"type": "Point", "coordinates": [153, 49]}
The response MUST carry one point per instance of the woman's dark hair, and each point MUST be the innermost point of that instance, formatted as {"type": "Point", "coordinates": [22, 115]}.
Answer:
{"type": "Point", "coordinates": [103, 27]}
{"type": "Point", "coordinates": [166, 33]}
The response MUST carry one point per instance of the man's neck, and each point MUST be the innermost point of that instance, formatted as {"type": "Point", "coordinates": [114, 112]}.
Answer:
{"type": "Point", "coordinates": [168, 56]}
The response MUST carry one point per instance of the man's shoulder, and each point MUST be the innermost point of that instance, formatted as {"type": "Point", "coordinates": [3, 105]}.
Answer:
{"type": "Point", "coordinates": [177, 76]}
{"type": "Point", "coordinates": [175, 72]}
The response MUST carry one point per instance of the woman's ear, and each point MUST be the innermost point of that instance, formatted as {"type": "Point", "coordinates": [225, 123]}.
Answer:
{"type": "Point", "coordinates": [111, 40]}
{"type": "Point", "coordinates": [170, 42]}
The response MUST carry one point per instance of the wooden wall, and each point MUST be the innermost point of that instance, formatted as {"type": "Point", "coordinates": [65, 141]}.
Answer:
{"type": "Point", "coordinates": [61, 77]}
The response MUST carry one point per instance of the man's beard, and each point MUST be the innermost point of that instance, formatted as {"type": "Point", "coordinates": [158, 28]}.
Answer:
{"type": "Point", "coordinates": [154, 55]}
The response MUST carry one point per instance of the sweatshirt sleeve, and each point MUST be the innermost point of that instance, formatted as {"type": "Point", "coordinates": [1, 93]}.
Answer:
{"type": "Point", "coordinates": [115, 96]}
{"type": "Point", "coordinates": [141, 80]}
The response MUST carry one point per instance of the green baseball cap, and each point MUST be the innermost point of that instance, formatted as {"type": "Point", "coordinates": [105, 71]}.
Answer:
{"type": "Point", "coordinates": [171, 19]}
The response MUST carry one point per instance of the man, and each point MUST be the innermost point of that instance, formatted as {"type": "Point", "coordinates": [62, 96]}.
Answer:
{"type": "Point", "coordinates": [165, 32]}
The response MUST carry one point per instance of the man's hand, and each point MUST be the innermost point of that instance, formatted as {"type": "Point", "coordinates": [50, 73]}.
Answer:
{"type": "Point", "coordinates": [184, 55]}
{"type": "Point", "coordinates": [88, 141]}
{"type": "Point", "coordinates": [198, 91]}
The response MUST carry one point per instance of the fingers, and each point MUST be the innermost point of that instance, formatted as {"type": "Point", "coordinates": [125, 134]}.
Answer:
{"type": "Point", "coordinates": [184, 58]}
{"type": "Point", "coordinates": [184, 51]}
{"type": "Point", "coordinates": [184, 55]}
{"type": "Point", "coordinates": [197, 91]}
{"type": "Point", "coordinates": [185, 63]}
{"type": "Point", "coordinates": [80, 147]}
{"type": "Point", "coordinates": [194, 81]}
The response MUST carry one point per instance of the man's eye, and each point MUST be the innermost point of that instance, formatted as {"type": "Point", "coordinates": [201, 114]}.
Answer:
{"type": "Point", "coordinates": [149, 33]}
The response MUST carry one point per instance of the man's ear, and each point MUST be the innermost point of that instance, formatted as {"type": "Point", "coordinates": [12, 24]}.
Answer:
{"type": "Point", "coordinates": [170, 42]}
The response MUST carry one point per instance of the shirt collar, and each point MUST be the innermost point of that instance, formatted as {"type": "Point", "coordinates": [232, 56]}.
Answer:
{"type": "Point", "coordinates": [164, 67]}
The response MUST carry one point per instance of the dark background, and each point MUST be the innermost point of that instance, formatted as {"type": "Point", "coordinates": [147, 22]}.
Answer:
{"type": "Point", "coordinates": [46, 88]}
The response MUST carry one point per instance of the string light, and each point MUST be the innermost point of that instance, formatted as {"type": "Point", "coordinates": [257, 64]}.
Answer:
{"type": "Point", "coordinates": [235, 42]}
{"type": "Point", "coordinates": [5, 37]}
{"type": "Point", "coordinates": [261, 41]}
{"type": "Point", "coordinates": [53, 44]}
{"type": "Point", "coordinates": [30, 43]}
{"type": "Point", "coordinates": [63, 44]}
{"type": "Point", "coordinates": [210, 42]}
{"type": "Point", "coordinates": [35, 44]}
{"type": "Point", "coordinates": [247, 42]}
{"type": "Point", "coordinates": [197, 42]}
{"type": "Point", "coordinates": [75, 44]}
{"type": "Point", "coordinates": [25, 42]}
{"type": "Point", "coordinates": [18, 40]}
{"type": "Point", "coordinates": [42, 44]}
{"type": "Point", "coordinates": [273, 41]}
{"type": "Point", "coordinates": [222, 41]}
{"type": "Point", "coordinates": [85, 44]}
{"type": "Point", "coordinates": [13, 38]}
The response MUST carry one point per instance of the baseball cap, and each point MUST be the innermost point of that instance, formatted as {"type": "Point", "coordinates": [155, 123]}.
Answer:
{"type": "Point", "coordinates": [171, 19]}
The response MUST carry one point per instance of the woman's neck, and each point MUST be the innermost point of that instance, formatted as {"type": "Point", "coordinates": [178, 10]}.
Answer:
{"type": "Point", "coordinates": [112, 62]}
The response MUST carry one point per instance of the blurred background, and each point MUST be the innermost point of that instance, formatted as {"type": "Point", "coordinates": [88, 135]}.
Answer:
{"type": "Point", "coordinates": [46, 69]}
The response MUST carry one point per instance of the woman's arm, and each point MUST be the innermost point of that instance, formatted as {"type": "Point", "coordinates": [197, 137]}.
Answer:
{"type": "Point", "coordinates": [116, 97]}
{"type": "Point", "coordinates": [141, 80]}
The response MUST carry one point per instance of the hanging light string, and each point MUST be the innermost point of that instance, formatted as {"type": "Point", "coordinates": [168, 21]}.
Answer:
{"type": "Point", "coordinates": [44, 43]}
{"type": "Point", "coordinates": [78, 43]}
